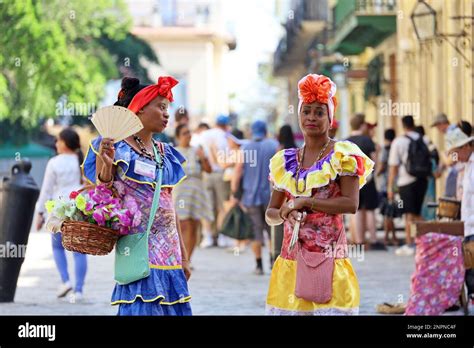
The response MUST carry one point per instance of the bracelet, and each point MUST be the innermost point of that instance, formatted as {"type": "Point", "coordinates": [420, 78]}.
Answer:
{"type": "Point", "coordinates": [279, 214]}
{"type": "Point", "coordinates": [312, 203]}
{"type": "Point", "coordinates": [106, 183]}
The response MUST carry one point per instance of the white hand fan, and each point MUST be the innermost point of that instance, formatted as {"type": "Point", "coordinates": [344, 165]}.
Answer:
{"type": "Point", "coordinates": [116, 122]}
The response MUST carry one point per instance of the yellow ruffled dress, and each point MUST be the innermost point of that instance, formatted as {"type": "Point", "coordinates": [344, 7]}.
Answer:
{"type": "Point", "coordinates": [320, 229]}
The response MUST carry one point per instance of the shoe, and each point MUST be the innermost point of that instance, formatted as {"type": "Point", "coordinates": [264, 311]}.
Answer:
{"type": "Point", "coordinates": [76, 297]}
{"type": "Point", "coordinates": [388, 308]}
{"type": "Point", "coordinates": [207, 242]}
{"type": "Point", "coordinates": [405, 251]}
{"type": "Point", "coordinates": [258, 271]}
{"type": "Point", "coordinates": [377, 246]}
{"type": "Point", "coordinates": [453, 308]}
{"type": "Point", "coordinates": [64, 289]}
{"type": "Point", "coordinates": [224, 241]}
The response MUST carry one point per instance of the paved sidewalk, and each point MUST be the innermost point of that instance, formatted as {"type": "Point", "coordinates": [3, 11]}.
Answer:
{"type": "Point", "coordinates": [222, 283]}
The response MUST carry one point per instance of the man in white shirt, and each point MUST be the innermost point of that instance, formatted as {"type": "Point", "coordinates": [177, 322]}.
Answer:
{"type": "Point", "coordinates": [412, 189]}
{"type": "Point", "coordinates": [460, 148]}
{"type": "Point", "coordinates": [215, 144]}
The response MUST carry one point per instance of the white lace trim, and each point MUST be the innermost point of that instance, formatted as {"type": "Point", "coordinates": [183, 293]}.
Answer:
{"type": "Point", "coordinates": [270, 310]}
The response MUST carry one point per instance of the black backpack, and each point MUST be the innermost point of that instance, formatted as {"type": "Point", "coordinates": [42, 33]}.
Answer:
{"type": "Point", "coordinates": [418, 162]}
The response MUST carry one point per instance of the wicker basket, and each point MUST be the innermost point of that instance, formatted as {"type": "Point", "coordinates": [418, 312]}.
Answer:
{"type": "Point", "coordinates": [87, 238]}
{"type": "Point", "coordinates": [449, 208]}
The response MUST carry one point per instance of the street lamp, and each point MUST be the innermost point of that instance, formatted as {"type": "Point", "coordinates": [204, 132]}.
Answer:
{"type": "Point", "coordinates": [424, 21]}
{"type": "Point", "coordinates": [425, 24]}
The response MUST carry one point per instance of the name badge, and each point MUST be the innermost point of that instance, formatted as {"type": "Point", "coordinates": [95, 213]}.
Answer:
{"type": "Point", "coordinates": [145, 169]}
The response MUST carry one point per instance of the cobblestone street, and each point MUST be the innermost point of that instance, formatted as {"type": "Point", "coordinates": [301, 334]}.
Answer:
{"type": "Point", "coordinates": [222, 283]}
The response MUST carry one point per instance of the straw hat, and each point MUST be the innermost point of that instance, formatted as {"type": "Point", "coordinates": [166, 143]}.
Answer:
{"type": "Point", "coordinates": [456, 138]}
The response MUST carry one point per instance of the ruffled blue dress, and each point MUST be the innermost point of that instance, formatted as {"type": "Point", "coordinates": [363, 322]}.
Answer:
{"type": "Point", "coordinates": [165, 290]}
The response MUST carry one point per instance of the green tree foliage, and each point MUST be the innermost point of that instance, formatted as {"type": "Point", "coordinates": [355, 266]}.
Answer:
{"type": "Point", "coordinates": [127, 53]}
{"type": "Point", "coordinates": [52, 48]}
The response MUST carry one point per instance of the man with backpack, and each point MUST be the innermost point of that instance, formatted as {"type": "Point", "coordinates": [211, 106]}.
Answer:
{"type": "Point", "coordinates": [409, 161]}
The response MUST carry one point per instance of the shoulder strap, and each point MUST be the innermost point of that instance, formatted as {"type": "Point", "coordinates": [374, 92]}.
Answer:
{"type": "Point", "coordinates": [156, 195]}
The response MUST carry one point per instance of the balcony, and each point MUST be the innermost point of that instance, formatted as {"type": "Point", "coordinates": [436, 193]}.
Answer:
{"type": "Point", "coordinates": [307, 19]}
{"type": "Point", "coordinates": [358, 24]}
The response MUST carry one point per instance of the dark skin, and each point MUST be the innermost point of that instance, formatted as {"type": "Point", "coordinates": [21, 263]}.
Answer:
{"type": "Point", "coordinates": [154, 117]}
{"type": "Point", "coordinates": [314, 123]}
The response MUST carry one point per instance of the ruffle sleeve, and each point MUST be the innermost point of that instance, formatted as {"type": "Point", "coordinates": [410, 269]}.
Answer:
{"type": "Point", "coordinates": [345, 159]}
{"type": "Point", "coordinates": [125, 157]}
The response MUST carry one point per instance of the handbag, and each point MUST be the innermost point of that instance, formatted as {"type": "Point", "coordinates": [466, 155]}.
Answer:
{"type": "Point", "coordinates": [237, 224]}
{"type": "Point", "coordinates": [131, 251]}
{"type": "Point", "coordinates": [314, 271]}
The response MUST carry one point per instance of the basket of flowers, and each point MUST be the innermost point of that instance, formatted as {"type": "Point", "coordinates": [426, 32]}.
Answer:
{"type": "Point", "coordinates": [92, 219]}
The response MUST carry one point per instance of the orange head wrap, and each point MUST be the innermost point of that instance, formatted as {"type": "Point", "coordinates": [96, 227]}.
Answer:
{"type": "Point", "coordinates": [318, 88]}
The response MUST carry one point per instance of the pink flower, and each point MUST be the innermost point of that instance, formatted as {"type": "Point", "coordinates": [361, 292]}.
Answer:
{"type": "Point", "coordinates": [137, 217]}
{"type": "Point", "coordinates": [131, 204]}
{"type": "Point", "coordinates": [99, 217]}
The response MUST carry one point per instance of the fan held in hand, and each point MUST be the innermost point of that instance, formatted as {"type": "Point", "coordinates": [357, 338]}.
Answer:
{"type": "Point", "coordinates": [116, 122]}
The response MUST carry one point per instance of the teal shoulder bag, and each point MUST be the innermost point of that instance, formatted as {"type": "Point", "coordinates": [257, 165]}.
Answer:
{"type": "Point", "coordinates": [131, 251]}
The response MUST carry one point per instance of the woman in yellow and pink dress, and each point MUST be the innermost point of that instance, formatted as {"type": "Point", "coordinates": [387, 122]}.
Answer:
{"type": "Point", "coordinates": [322, 180]}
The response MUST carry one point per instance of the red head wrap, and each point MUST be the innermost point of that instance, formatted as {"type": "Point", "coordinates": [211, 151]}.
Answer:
{"type": "Point", "coordinates": [147, 94]}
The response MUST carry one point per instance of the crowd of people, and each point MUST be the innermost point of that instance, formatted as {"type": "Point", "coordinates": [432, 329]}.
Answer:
{"type": "Point", "coordinates": [210, 170]}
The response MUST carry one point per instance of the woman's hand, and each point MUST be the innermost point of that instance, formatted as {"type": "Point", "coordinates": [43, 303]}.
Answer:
{"type": "Point", "coordinates": [39, 222]}
{"type": "Point", "coordinates": [289, 206]}
{"type": "Point", "coordinates": [296, 216]}
{"type": "Point", "coordinates": [186, 269]}
{"type": "Point", "coordinates": [107, 152]}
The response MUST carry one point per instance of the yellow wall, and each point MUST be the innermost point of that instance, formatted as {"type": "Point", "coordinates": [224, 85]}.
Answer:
{"type": "Point", "coordinates": [434, 74]}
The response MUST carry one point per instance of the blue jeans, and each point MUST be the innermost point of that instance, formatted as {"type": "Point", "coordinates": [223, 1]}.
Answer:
{"type": "Point", "coordinates": [80, 263]}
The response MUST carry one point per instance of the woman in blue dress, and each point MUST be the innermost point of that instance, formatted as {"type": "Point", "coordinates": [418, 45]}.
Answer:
{"type": "Point", "coordinates": [130, 167]}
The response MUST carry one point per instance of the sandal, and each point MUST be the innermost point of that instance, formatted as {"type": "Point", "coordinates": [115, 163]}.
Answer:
{"type": "Point", "coordinates": [388, 308]}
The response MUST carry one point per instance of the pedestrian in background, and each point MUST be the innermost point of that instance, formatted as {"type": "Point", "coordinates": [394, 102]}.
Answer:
{"type": "Point", "coordinates": [235, 139]}
{"type": "Point", "coordinates": [191, 200]}
{"type": "Point", "coordinates": [364, 219]}
{"type": "Point", "coordinates": [196, 139]}
{"type": "Point", "coordinates": [254, 173]}
{"type": "Point", "coordinates": [412, 187]}
{"type": "Point", "coordinates": [216, 147]}
{"type": "Point", "coordinates": [442, 124]}
{"type": "Point", "coordinates": [62, 176]}
{"type": "Point", "coordinates": [286, 138]}
{"type": "Point", "coordinates": [287, 141]}
{"type": "Point", "coordinates": [430, 195]}
{"type": "Point", "coordinates": [333, 130]}
{"type": "Point", "coordinates": [389, 210]}
{"type": "Point", "coordinates": [461, 148]}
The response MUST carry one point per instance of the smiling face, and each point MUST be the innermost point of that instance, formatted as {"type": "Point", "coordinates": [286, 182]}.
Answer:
{"type": "Point", "coordinates": [314, 119]}
{"type": "Point", "coordinates": [154, 115]}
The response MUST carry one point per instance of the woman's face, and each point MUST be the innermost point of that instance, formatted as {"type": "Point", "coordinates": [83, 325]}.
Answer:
{"type": "Point", "coordinates": [154, 115]}
{"type": "Point", "coordinates": [314, 119]}
{"type": "Point", "coordinates": [184, 137]}
{"type": "Point", "coordinates": [61, 146]}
